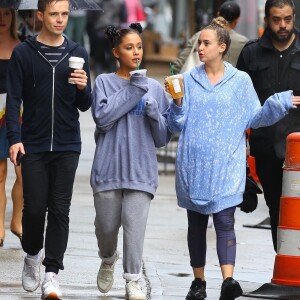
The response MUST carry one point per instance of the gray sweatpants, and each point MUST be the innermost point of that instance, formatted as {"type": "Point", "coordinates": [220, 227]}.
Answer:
{"type": "Point", "coordinates": [128, 208]}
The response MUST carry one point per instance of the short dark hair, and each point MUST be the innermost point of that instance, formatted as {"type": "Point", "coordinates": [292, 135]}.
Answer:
{"type": "Point", "coordinates": [278, 3]}
{"type": "Point", "coordinates": [42, 4]}
{"type": "Point", "coordinates": [230, 11]}
{"type": "Point", "coordinates": [25, 13]}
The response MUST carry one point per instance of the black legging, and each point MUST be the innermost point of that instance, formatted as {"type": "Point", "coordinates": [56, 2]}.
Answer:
{"type": "Point", "coordinates": [226, 241]}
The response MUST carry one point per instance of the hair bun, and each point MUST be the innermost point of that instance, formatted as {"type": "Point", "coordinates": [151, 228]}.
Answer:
{"type": "Point", "coordinates": [111, 31]}
{"type": "Point", "coordinates": [136, 26]}
{"type": "Point", "coordinates": [219, 21]}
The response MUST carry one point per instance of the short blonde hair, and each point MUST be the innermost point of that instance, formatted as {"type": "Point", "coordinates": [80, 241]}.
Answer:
{"type": "Point", "coordinates": [43, 3]}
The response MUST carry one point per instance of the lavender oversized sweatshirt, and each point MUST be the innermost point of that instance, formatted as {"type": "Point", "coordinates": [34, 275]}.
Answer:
{"type": "Point", "coordinates": [130, 125]}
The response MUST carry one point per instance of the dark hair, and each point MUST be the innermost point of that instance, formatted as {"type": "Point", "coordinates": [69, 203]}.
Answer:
{"type": "Point", "coordinates": [116, 35]}
{"type": "Point", "coordinates": [43, 3]}
{"type": "Point", "coordinates": [219, 25]}
{"type": "Point", "coordinates": [230, 11]}
{"type": "Point", "coordinates": [25, 13]}
{"type": "Point", "coordinates": [278, 3]}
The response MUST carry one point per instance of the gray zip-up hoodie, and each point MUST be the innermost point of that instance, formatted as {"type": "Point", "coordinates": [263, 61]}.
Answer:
{"type": "Point", "coordinates": [130, 125]}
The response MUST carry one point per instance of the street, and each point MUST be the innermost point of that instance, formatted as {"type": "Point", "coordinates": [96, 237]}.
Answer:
{"type": "Point", "coordinates": [166, 271]}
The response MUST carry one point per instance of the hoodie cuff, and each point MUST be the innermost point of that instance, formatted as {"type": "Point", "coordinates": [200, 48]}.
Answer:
{"type": "Point", "coordinates": [175, 108]}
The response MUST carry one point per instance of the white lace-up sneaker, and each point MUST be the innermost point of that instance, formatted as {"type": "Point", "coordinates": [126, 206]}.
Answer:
{"type": "Point", "coordinates": [105, 278]}
{"type": "Point", "coordinates": [31, 272]}
{"type": "Point", "coordinates": [134, 291]}
{"type": "Point", "coordinates": [50, 287]}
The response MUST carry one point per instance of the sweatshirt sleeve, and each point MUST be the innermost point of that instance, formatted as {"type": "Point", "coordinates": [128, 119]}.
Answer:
{"type": "Point", "coordinates": [274, 108]}
{"type": "Point", "coordinates": [176, 117]}
{"type": "Point", "coordinates": [84, 97]}
{"type": "Point", "coordinates": [158, 119]}
{"type": "Point", "coordinates": [107, 111]}
{"type": "Point", "coordinates": [14, 85]}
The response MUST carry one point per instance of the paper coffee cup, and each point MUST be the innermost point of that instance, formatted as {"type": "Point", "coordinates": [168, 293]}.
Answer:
{"type": "Point", "coordinates": [141, 72]}
{"type": "Point", "coordinates": [75, 63]}
{"type": "Point", "coordinates": [176, 86]}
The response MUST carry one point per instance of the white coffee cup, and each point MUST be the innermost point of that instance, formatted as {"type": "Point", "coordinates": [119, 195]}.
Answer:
{"type": "Point", "coordinates": [75, 63]}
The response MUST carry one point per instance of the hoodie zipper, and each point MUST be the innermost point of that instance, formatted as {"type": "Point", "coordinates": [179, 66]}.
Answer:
{"type": "Point", "coordinates": [52, 98]}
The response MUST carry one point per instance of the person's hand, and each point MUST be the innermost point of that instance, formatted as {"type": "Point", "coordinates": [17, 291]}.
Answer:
{"type": "Point", "coordinates": [80, 78]}
{"type": "Point", "coordinates": [167, 87]}
{"type": "Point", "coordinates": [13, 152]}
{"type": "Point", "coordinates": [178, 102]}
{"type": "Point", "coordinates": [295, 101]}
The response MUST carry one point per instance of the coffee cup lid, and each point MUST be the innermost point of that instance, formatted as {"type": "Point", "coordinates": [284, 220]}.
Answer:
{"type": "Point", "coordinates": [76, 59]}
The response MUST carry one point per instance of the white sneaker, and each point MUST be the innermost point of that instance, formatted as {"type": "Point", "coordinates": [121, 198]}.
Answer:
{"type": "Point", "coordinates": [50, 287]}
{"type": "Point", "coordinates": [105, 278]}
{"type": "Point", "coordinates": [134, 291]}
{"type": "Point", "coordinates": [31, 272]}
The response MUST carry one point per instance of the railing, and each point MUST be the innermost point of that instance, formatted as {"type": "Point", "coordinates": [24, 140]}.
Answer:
{"type": "Point", "coordinates": [166, 157]}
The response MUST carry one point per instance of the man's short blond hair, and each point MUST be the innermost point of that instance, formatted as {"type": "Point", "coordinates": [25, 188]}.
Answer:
{"type": "Point", "coordinates": [43, 3]}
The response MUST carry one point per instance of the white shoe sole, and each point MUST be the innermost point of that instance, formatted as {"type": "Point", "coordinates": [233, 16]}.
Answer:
{"type": "Point", "coordinates": [135, 297]}
{"type": "Point", "coordinates": [52, 296]}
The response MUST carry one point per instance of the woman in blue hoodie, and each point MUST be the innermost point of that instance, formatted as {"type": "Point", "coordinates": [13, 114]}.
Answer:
{"type": "Point", "coordinates": [219, 104]}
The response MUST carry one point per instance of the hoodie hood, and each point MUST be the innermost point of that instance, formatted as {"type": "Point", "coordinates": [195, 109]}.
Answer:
{"type": "Point", "coordinates": [199, 75]}
{"type": "Point", "coordinates": [32, 42]}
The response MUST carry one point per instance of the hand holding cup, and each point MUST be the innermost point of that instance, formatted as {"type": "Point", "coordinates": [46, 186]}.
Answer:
{"type": "Point", "coordinates": [174, 86]}
{"type": "Point", "coordinates": [77, 74]}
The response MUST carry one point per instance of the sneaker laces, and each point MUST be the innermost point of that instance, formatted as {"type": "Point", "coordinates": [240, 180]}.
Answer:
{"type": "Point", "coordinates": [106, 266]}
{"type": "Point", "coordinates": [51, 279]}
{"type": "Point", "coordinates": [134, 286]}
{"type": "Point", "coordinates": [30, 271]}
{"type": "Point", "coordinates": [106, 270]}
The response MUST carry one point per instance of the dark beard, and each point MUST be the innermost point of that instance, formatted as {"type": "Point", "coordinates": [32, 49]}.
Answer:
{"type": "Point", "coordinates": [277, 38]}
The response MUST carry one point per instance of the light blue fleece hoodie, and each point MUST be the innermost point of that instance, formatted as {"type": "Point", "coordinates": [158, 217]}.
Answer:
{"type": "Point", "coordinates": [211, 155]}
{"type": "Point", "coordinates": [130, 122]}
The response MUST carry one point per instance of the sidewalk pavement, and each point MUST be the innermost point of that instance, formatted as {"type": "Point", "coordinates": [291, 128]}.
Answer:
{"type": "Point", "coordinates": [166, 271]}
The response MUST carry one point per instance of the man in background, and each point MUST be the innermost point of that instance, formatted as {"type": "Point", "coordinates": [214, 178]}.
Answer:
{"type": "Point", "coordinates": [102, 58]}
{"type": "Point", "coordinates": [272, 62]}
{"type": "Point", "coordinates": [30, 24]}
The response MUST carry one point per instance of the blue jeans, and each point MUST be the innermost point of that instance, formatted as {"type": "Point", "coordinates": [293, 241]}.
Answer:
{"type": "Point", "coordinates": [48, 185]}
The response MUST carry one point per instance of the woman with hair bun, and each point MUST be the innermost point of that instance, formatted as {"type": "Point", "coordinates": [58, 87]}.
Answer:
{"type": "Point", "coordinates": [129, 112]}
{"type": "Point", "coordinates": [218, 106]}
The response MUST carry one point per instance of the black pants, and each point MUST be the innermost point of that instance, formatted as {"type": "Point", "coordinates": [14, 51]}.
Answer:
{"type": "Point", "coordinates": [226, 240]}
{"type": "Point", "coordinates": [270, 172]}
{"type": "Point", "coordinates": [48, 185]}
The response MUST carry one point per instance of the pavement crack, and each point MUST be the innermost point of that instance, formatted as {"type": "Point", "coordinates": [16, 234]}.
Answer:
{"type": "Point", "coordinates": [147, 281]}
